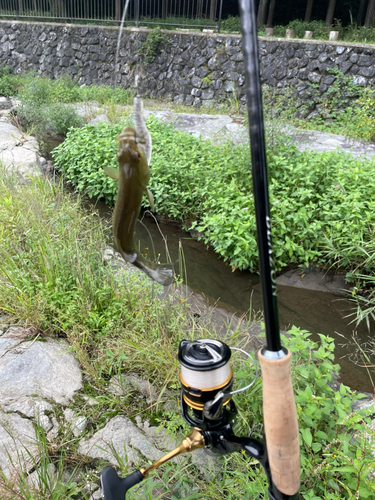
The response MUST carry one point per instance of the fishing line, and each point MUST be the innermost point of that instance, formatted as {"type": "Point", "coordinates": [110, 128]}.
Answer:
{"type": "Point", "coordinates": [256, 371]}
{"type": "Point", "coordinates": [150, 236]}
{"type": "Point", "coordinates": [119, 37]}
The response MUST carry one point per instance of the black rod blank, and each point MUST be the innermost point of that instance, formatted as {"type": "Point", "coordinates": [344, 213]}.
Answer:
{"type": "Point", "coordinates": [259, 172]}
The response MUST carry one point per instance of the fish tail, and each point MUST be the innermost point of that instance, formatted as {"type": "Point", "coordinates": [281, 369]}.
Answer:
{"type": "Point", "coordinates": [140, 127]}
{"type": "Point", "coordinates": [161, 273]}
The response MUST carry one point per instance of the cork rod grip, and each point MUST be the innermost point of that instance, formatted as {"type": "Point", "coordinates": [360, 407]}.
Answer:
{"type": "Point", "coordinates": [281, 424]}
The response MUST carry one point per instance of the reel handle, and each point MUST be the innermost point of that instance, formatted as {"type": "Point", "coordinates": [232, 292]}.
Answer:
{"type": "Point", "coordinates": [114, 487]}
{"type": "Point", "coordinates": [280, 423]}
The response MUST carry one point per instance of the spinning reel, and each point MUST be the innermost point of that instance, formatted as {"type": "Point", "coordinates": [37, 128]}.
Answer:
{"type": "Point", "coordinates": [206, 382]}
{"type": "Point", "coordinates": [207, 406]}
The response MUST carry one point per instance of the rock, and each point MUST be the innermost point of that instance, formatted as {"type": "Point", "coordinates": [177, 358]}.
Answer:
{"type": "Point", "coordinates": [19, 333]}
{"type": "Point", "coordinates": [90, 400]}
{"type": "Point", "coordinates": [5, 319]}
{"type": "Point", "coordinates": [208, 465]}
{"type": "Point", "coordinates": [19, 152]}
{"type": "Point", "coordinates": [97, 495]}
{"type": "Point", "coordinates": [32, 407]}
{"type": "Point", "coordinates": [366, 403]}
{"type": "Point", "coordinates": [54, 432]}
{"type": "Point", "coordinates": [120, 386]}
{"type": "Point", "coordinates": [99, 119]}
{"type": "Point", "coordinates": [18, 448]}
{"type": "Point", "coordinates": [42, 368]}
{"type": "Point", "coordinates": [123, 268]}
{"type": "Point", "coordinates": [87, 110]}
{"type": "Point", "coordinates": [313, 279]}
{"type": "Point", "coordinates": [120, 436]}
{"type": "Point", "coordinates": [5, 103]}
{"type": "Point", "coordinates": [77, 423]}
{"type": "Point", "coordinates": [161, 439]}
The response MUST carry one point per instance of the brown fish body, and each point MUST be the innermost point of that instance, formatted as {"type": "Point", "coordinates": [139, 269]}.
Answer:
{"type": "Point", "coordinates": [133, 176]}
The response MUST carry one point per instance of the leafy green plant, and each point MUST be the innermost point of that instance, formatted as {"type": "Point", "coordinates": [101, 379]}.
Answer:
{"type": "Point", "coordinates": [319, 29]}
{"type": "Point", "coordinates": [153, 44]}
{"type": "Point", "coordinates": [336, 451]}
{"type": "Point", "coordinates": [8, 82]}
{"type": "Point", "coordinates": [45, 103]}
{"type": "Point", "coordinates": [209, 188]}
{"type": "Point", "coordinates": [231, 23]}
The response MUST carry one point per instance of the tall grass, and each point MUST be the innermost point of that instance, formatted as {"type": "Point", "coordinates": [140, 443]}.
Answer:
{"type": "Point", "coordinates": [53, 276]}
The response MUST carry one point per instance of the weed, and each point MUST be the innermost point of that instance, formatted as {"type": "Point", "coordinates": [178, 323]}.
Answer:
{"type": "Point", "coordinates": [154, 43]}
{"type": "Point", "coordinates": [50, 479]}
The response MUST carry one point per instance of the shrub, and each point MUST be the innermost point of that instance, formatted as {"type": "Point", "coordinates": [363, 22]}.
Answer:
{"type": "Point", "coordinates": [8, 82]}
{"type": "Point", "coordinates": [151, 47]}
{"type": "Point", "coordinates": [231, 23]}
{"type": "Point", "coordinates": [44, 103]}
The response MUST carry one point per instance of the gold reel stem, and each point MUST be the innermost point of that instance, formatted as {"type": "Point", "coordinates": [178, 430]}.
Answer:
{"type": "Point", "coordinates": [192, 442]}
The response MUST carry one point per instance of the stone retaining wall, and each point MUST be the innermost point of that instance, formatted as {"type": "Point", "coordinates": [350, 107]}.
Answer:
{"type": "Point", "coordinates": [192, 68]}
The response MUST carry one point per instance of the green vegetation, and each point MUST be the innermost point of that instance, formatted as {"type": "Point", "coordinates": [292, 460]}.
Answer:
{"type": "Point", "coordinates": [344, 108]}
{"type": "Point", "coordinates": [351, 33]}
{"type": "Point", "coordinates": [154, 43]}
{"type": "Point", "coordinates": [322, 204]}
{"type": "Point", "coordinates": [318, 201]}
{"type": "Point", "coordinates": [52, 276]}
{"type": "Point", "coordinates": [44, 108]}
{"type": "Point", "coordinates": [208, 188]}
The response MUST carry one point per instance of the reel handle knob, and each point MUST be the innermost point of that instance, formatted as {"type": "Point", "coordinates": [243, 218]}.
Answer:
{"type": "Point", "coordinates": [114, 487]}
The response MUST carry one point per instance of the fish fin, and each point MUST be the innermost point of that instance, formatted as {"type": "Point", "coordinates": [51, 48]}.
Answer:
{"type": "Point", "coordinates": [111, 172]}
{"type": "Point", "coordinates": [129, 257]}
{"type": "Point", "coordinates": [141, 129]}
{"type": "Point", "coordinates": [150, 199]}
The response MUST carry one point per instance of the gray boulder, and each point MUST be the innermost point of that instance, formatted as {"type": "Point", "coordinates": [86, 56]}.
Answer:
{"type": "Point", "coordinates": [43, 369]}
{"type": "Point", "coordinates": [120, 436]}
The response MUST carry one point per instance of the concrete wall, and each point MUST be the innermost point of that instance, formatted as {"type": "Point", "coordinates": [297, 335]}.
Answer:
{"type": "Point", "coordinates": [191, 69]}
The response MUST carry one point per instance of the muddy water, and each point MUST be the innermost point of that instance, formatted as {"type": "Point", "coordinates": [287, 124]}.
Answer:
{"type": "Point", "coordinates": [317, 312]}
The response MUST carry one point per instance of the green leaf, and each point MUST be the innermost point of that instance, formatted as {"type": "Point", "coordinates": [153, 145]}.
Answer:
{"type": "Point", "coordinates": [307, 437]}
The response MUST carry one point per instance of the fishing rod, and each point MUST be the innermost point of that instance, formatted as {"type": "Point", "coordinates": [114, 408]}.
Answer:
{"type": "Point", "coordinates": [206, 377]}
{"type": "Point", "coordinates": [279, 409]}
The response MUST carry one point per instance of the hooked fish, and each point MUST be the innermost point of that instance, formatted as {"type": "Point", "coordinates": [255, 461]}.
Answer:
{"type": "Point", "coordinates": [133, 174]}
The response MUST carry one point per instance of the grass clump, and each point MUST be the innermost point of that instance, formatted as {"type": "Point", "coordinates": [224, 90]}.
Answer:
{"type": "Point", "coordinates": [52, 275]}
{"type": "Point", "coordinates": [44, 103]}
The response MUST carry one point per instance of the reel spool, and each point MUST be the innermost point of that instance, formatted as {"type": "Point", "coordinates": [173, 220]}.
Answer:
{"type": "Point", "coordinates": [206, 383]}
